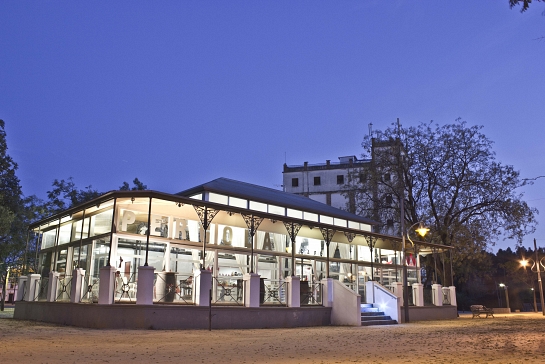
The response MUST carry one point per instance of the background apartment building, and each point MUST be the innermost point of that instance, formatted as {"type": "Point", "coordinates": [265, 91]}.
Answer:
{"type": "Point", "coordinates": [359, 186]}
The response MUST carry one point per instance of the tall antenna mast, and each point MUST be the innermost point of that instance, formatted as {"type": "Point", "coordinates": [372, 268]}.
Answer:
{"type": "Point", "coordinates": [370, 129]}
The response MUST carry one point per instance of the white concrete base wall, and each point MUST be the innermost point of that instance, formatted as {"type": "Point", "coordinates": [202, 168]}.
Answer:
{"type": "Point", "coordinates": [170, 317]}
{"type": "Point", "coordinates": [345, 304]}
{"type": "Point", "coordinates": [203, 287]}
{"type": "Point", "coordinates": [52, 286]}
{"type": "Point", "coordinates": [418, 294]}
{"type": "Point", "coordinates": [106, 285]}
{"type": "Point", "coordinates": [144, 286]}
{"type": "Point", "coordinates": [428, 313]}
{"type": "Point", "coordinates": [22, 288]}
{"type": "Point", "coordinates": [294, 291]}
{"type": "Point", "coordinates": [31, 293]}
{"type": "Point", "coordinates": [251, 289]}
{"type": "Point", "coordinates": [383, 299]}
{"type": "Point", "coordinates": [437, 294]}
{"type": "Point", "coordinates": [76, 286]}
{"type": "Point", "coordinates": [398, 290]}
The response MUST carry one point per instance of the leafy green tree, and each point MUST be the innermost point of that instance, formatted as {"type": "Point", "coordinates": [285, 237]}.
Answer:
{"type": "Point", "coordinates": [137, 186]}
{"type": "Point", "coordinates": [65, 194]}
{"type": "Point", "coordinates": [448, 177]}
{"type": "Point", "coordinates": [12, 237]}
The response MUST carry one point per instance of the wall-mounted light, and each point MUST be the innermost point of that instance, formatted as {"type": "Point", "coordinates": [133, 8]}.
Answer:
{"type": "Point", "coordinates": [180, 204]}
{"type": "Point", "coordinates": [132, 199]}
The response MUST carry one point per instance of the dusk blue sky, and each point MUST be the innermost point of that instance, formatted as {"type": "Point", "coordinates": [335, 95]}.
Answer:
{"type": "Point", "coordinates": [180, 93]}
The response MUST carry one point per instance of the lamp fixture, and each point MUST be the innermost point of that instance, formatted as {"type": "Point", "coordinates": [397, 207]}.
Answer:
{"type": "Point", "coordinates": [422, 230]}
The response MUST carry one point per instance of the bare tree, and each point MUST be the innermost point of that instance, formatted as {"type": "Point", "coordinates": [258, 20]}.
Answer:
{"type": "Point", "coordinates": [449, 178]}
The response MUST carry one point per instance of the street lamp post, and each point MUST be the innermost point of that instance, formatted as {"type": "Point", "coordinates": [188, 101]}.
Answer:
{"type": "Point", "coordinates": [422, 231]}
{"type": "Point", "coordinates": [534, 292]}
{"type": "Point", "coordinates": [506, 295]}
{"type": "Point", "coordinates": [524, 263]}
{"type": "Point", "coordinates": [537, 263]}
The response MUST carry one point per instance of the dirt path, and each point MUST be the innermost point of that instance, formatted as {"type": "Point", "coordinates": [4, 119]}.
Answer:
{"type": "Point", "coordinates": [515, 338]}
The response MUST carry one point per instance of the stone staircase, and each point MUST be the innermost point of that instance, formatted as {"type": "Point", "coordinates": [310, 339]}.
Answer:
{"type": "Point", "coordinates": [372, 316]}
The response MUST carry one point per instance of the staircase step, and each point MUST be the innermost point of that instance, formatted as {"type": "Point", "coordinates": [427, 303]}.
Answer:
{"type": "Point", "coordinates": [366, 305]}
{"type": "Point", "coordinates": [369, 309]}
{"type": "Point", "coordinates": [373, 313]}
{"type": "Point", "coordinates": [378, 322]}
{"type": "Point", "coordinates": [375, 318]}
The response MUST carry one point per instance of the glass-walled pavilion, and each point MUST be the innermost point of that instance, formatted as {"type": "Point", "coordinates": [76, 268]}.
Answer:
{"type": "Point", "coordinates": [227, 227]}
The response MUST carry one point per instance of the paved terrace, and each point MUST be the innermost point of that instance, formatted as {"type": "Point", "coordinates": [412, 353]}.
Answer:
{"type": "Point", "coordinates": [508, 338]}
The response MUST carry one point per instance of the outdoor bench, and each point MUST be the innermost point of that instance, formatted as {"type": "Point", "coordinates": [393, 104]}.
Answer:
{"type": "Point", "coordinates": [478, 310]}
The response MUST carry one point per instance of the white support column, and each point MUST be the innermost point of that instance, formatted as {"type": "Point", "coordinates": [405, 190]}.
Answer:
{"type": "Point", "coordinates": [203, 286]}
{"type": "Point", "coordinates": [251, 289]}
{"type": "Point", "coordinates": [32, 284]}
{"type": "Point", "coordinates": [77, 285]}
{"type": "Point", "coordinates": [327, 292]}
{"type": "Point", "coordinates": [437, 294]}
{"type": "Point", "coordinates": [106, 285]}
{"type": "Point", "coordinates": [22, 288]}
{"type": "Point", "coordinates": [144, 286]}
{"type": "Point", "coordinates": [369, 292]}
{"type": "Point", "coordinates": [294, 291]}
{"type": "Point", "coordinates": [453, 296]}
{"type": "Point", "coordinates": [52, 286]}
{"type": "Point", "coordinates": [418, 270]}
{"type": "Point", "coordinates": [398, 290]}
{"type": "Point", "coordinates": [418, 294]}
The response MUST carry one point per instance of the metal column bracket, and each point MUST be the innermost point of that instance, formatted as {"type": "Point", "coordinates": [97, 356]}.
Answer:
{"type": "Point", "coordinates": [206, 215]}
{"type": "Point", "coordinates": [328, 236]}
{"type": "Point", "coordinates": [371, 240]}
{"type": "Point", "coordinates": [252, 222]}
{"type": "Point", "coordinates": [293, 229]}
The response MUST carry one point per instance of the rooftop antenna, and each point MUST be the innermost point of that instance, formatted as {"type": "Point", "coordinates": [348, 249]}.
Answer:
{"type": "Point", "coordinates": [398, 127]}
{"type": "Point", "coordinates": [285, 159]}
{"type": "Point", "coordinates": [370, 129]}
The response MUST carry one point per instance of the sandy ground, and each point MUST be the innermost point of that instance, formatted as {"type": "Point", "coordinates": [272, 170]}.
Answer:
{"type": "Point", "coordinates": [513, 338]}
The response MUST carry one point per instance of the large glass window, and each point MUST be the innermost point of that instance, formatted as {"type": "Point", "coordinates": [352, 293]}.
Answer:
{"type": "Point", "coordinates": [80, 231]}
{"type": "Point", "coordinates": [233, 236]}
{"type": "Point", "coordinates": [184, 260]}
{"type": "Point", "coordinates": [309, 246]}
{"type": "Point", "coordinates": [271, 267]}
{"type": "Point", "coordinates": [61, 263]}
{"type": "Point", "coordinates": [133, 215]}
{"type": "Point", "coordinates": [49, 238]}
{"type": "Point", "coordinates": [101, 223]}
{"type": "Point", "coordinates": [64, 236]}
{"type": "Point", "coordinates": [45, 264]}
{"type": "Point", "coordinates": [156, 256]}
{"type": "Point", "coordinates": [79, 257]}
{"type": "Point", "coordinates": [100, 256]}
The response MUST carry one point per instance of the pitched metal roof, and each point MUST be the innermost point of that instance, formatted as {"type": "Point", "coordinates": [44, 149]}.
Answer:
{"type": "Point", "coordinates": [229, 187]}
